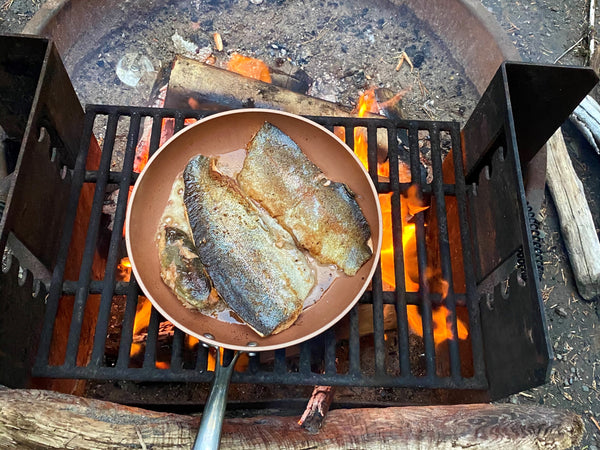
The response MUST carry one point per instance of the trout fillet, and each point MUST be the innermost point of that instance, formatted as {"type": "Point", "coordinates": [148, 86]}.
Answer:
{"type": "Point", "coordinates": [321, 214]}
{"type": "Point", "coordinates": [180, 266]}
{"type": "Point", "coordinates": [252, 261]}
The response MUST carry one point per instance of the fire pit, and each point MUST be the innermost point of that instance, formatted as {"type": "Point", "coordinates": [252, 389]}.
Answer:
{"type": "Point", "coordinates": [484, 254]}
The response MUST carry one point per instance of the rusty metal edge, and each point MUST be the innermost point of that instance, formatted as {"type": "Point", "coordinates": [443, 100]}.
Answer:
{"type": "Point", "coordinates": [476, 41]}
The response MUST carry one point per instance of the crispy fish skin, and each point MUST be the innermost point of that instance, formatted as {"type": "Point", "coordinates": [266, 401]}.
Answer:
{"type": "Point", "coordinates": [180, 265]}
{"type": "Point", "coordinates": [322, 215]}
{"type": "Point", "coordinates": [252, 261]}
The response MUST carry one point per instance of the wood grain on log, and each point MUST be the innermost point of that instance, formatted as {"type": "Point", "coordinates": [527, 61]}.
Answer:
{"type": "Point", "coordinates": [212, 88]}
{"type": "Point", "coordinates": [34, 419]}
{"type": "Point", "coordinates": [576, 222]}
{"type": "Point", "coordinates": [196, 85]}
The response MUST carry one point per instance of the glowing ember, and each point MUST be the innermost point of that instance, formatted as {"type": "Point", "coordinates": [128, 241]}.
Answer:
{"type": "Point", "coordinates": [250, 67]}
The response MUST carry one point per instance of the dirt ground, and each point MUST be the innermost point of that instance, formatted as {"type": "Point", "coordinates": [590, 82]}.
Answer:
{"type": "Point", "coordinates": [542, 31]}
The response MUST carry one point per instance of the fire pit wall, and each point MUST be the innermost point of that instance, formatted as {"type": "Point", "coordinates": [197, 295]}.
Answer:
{"type": "Point", "coordinates": [472, 35]}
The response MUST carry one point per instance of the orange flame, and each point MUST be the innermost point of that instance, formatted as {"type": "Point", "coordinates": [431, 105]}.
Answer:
{"type": "Point", "coordinates": [141, 321]}
{"type": "Point", "coordinates": [410, 205]}
{"type": "Point", "coordinates": [250, 67]}
{"type": "Point", "coordinates": [366, 104]}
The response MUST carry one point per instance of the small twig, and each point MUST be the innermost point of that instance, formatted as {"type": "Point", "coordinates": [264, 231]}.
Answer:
{"type": "Point", "coordinates": [569, 49]}
{"type": "Point", "coordinates": [512, 28]}
{"type": "Point", "coordinates": [404, 57]}
{"type": "Point", "coordinates": [7, 4]}
{"type": "Point", "coordinates": [142, 443]}
{"type": "Point", "coordinates": [595, 422]}
{"type": "Point", "coordinates": [321, 33]}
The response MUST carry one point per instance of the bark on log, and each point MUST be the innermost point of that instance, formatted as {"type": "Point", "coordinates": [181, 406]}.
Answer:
{"type": "Point", "coordinates": [34, 419]}
{"type": "Point", "coordinates": [576, 222]}
{"type": "Point", "coordinates": [218, 89]}
{"type": "Point", "coordinates": [316, 410]}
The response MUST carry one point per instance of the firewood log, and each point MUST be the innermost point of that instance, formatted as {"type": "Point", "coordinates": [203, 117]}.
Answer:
{"type": "Point", "coordinates": [196, 85]}
{"type": "Point", "coordinates": [218, 89]}
{"type": "Point", "coordinates": [45, 419]}
{"type": "Point", "coordinates": [576, 222]}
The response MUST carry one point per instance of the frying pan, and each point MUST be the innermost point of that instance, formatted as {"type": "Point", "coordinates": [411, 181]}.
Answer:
{"type": "Point", "coordinates": [219, 134]}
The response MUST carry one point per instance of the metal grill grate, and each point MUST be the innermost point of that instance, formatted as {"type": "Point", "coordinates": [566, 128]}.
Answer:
{"type": "Point", "coordinates": [409, 362]}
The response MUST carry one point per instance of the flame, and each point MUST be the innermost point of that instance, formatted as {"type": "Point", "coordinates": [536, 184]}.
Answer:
{"type": "Point", "coordinates": [442, 324]}
{"type": "Point", "coordinates": [124, 269]}
{"type": "Point", "coordinates": [366, 104]}
{"type": "Point", "coordinates": [141, 321]}
{"type": "Point", "coordinates": [250, 67]}
{"type": "Point", "coordinates": [240, 365]}
{"type": "Point", "coordinates": [410, 205]}
{"type": "Point", "coordinates": [126, 263]}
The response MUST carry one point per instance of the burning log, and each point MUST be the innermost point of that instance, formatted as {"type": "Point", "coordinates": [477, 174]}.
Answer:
{"type": "Point", "coordinates": [211, 88]}
{"type": "Point", "coordinates": [576, 222]}
{"type": "Point", "coordinates": [33, 418]}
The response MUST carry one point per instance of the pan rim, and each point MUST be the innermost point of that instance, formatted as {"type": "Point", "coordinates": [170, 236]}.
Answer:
{"type": "Point", "coordinates": [249, 348]}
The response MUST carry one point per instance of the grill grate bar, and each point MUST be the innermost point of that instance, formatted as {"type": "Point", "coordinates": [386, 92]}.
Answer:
{"type": "Point", "coordinates": [444, 246]}
{"type": "Point", "coordinates": [115, 241]}
{"type": "Point", "coordinates": [131, 303]}
{"type": "Point", "coordinates": [202, 359]}
{"type": "Point", "coordinates": [400, 295]}
{"type": "Point", "coordinates": [354, 343]}
{"type": "Point", "coordinates": [177, 350]}
{"type": "Point", "coordinates": [152, 339]}
{"type": "Point", "coordinates": [376, 282]}
{"type": "Point", "coordinates": [179, 121]}
{"type": "Point", "coordinates": [425, 307]}
{"type": "Point", "coordinates": [330, 367]}
{"type": "Point", "coordinates": [280, 366]}
{"type": "Point", "coordinates": [305, 357]}
{"type": "Point", "coordinates": [85, 273]}
{"type": "Point", "coordinates": [472, 297]}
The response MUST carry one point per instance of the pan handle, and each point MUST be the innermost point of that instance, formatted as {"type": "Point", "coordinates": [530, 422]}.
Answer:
{"type": "Point", "coordinates": [209, 434]}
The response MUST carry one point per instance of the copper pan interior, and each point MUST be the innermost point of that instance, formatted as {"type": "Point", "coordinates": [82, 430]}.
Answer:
{"type": "Point", "coordinates": [224, 133]}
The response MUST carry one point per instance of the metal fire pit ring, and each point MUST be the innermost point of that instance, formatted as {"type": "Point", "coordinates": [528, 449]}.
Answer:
{"type": "Point", "coordinates": [473, 36]}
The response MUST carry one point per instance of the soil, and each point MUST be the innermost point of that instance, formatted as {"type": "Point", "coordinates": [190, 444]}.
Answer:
{"type": "Point", "coordinates": [542, 31]}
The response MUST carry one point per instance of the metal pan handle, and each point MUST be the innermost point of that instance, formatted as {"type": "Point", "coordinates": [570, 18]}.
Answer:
{"type": "Point", "coordinates": [209, 433]}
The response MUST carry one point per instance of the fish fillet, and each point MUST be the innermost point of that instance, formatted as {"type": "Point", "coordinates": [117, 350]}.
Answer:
{"type": "Point", "coordinates": [180, 266]}
{"type": "Point", "coordinates": [321, 214]}
{"type": "Point", "coordinates": [252, 261]}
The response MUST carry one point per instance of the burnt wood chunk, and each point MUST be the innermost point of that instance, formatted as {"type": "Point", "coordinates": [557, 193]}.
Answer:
{"type": "Point", "coordinates": [316, 410]}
